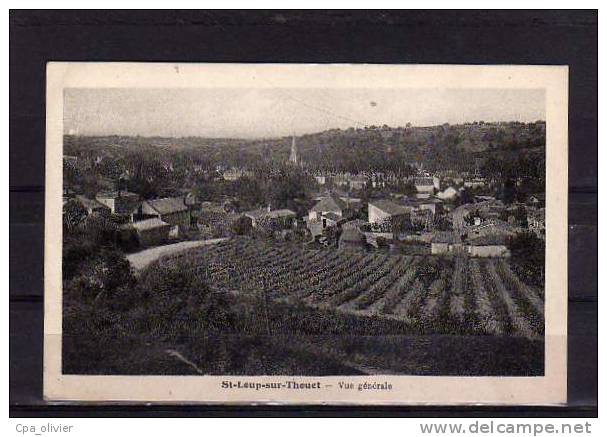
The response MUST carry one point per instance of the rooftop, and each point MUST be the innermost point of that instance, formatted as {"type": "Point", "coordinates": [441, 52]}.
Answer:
{"type": "Point", "coordinates": [148, 224]}
{"type": "Point", "coordinates": [90, 203]}
{"type": "Point", "coordinates": [168, 205]}
{"type": "Point", "coordinates": [115, 194]}
{"type": "Point", "coordinates": [330, 203]}
{"type": "Point", "coordinates": [389, 207]}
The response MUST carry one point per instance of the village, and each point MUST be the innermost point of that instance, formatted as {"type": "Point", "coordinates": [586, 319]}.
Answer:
{"type": "Point", "coordinates": [423, 212]}
{"type": "Point", "coordinates": [323, 248]}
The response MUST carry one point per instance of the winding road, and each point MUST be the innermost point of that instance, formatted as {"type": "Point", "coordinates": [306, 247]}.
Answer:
{"type": "Point", "coordinates": [142, 259]}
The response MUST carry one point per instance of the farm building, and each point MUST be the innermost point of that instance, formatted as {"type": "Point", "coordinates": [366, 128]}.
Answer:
{"type": "Point", "coordinates": [488, 246]}
{"type": "Point", "coordinates": [381, 211]}
{"type": "Point", "coordinates": [120, 202]}
{"type": "Point", "coordinates": [278, 218]}
{"type": "Point", "coordinates": [171, 210]}
{"type": "Point", "coordinates": [352, 239]}
{"type": "Point", "coordinates": [330, 204]}
{"type": "Point", "coordinates": [445, 242]}
{"type": "Point", "coordinates": [151, 232]}
{"type": "Point", "coordinates": [92, 205]}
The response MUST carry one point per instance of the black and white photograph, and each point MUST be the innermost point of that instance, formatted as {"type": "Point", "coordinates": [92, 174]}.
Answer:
{"type": "Point", "coordinates": [304, 231]}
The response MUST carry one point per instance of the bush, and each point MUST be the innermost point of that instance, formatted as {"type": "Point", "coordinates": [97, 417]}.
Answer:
{"type": "Point", "coordinates": [106, 274]}
{"type": "Point", "coordinates": [169, 293]}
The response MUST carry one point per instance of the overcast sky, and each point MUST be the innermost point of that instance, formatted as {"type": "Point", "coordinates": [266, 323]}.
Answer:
{"type": "Point", "coordinates": [256, 113]}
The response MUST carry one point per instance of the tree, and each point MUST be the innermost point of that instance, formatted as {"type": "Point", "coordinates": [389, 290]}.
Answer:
{"type": "Point", "coordinates": [241, 226]}
{"type": "Point", "coordinates": [527, 257]}
{"type": "Point", "coordinates": [101, 275]}
{"type": "Point", "coordinates": [73, 214]}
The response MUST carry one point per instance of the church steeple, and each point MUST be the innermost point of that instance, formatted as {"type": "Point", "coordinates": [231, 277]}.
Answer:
{"type": "Point", "coordinates": [293, 158]}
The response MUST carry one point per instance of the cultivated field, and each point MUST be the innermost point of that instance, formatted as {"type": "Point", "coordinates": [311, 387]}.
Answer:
{"type": "Point", "coordinates": [432, 295]}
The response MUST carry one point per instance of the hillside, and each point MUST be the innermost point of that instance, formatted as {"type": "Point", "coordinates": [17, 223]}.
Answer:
{"type": "Point", "coordinates": [437, 147]}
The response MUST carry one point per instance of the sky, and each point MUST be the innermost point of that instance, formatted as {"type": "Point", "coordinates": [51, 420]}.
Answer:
{"type": "Point", "coordinates": [278, 112]}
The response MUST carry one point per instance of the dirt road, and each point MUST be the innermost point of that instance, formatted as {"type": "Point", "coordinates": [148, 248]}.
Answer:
{"type": "Point", "coordinates": [140, 260]}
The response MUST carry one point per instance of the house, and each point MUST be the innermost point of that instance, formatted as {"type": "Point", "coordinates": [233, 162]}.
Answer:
{"type": "Point", "coordinates": [340, 179]}
{"type": "Point", "coordinates": [330, 204]}
{"type": "Point", "coordinates": [424, 185]}
{"type": "Point", "coordinates": [151, 232]}
{"type": "Point", "coordinates": [488, 246]}
{"type": "Point", "coordinates": [445, 242]}
{"type": "Point", "coordinates": [331, 219]}
{"type": "Point", "coordinates": [171, 210]}
{"type": "Point", "coordinates": [381, 211]}
{"type": "Point", "coordinates": [321, 179]}
{"type": "Point", "coordinates": [448, 193]}
{"type": "Point", "coordinates": [357, 182]}
{"type": "Point", "coordinates": [275, 219]}
{"type": "Point", "coordinates": [92, 205]}
{"type": "Point", "coordinates": [120, 202]}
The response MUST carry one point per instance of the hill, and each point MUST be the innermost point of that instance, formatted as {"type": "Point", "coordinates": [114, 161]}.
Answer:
{"type": "Point", "coordinates": [457, 147]}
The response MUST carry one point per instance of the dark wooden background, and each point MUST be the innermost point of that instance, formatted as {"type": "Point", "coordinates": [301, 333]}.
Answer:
{"type": "Point", "coordinates": [428, 37]}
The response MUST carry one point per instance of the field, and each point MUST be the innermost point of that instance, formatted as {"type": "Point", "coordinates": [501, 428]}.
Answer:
{"type": "Point", "coordinates": [254, 307]}
{"type": "Point", "coordinates": [427, 294]}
